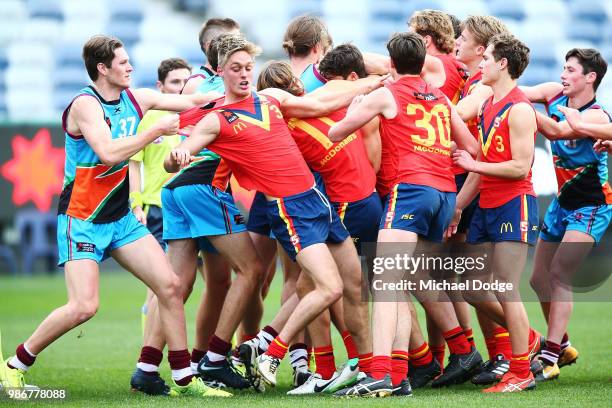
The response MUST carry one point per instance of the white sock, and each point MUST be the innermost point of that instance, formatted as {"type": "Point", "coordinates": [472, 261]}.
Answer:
{"type": "Point", "coordinates": [194, 368]}
{"type": "Point", "coordinates": [15, 362]}
{"type": "Point", "coordinates": [264, 339]}
{"type": "Point", "coordinates": [149, 368]}
{"type": "Point", "coordinates": [299, 358]}
{"type": "Point", "coordinates": [214, 357]}
{"type": "Point", "coordinates": [178, 375]}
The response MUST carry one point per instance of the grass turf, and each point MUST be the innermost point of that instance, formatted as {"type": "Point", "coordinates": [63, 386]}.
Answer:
{"type": "Point", "coordinates": [93, 363]}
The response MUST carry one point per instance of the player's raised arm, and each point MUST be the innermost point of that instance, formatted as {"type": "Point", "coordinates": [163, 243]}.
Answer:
{"type": "Point", "coordinates": [150, 99]}
{"type": "Point", "coordinates": [372, 143]}
{"type": "Point", "coordinates": [468, 107]}
{"type": "Point", "coordinates": [542, 93]}
{"type": "Point", "coordinates": [580, 126]}
{"type": "Point", "coordinates": [87, 118]}
{"type": "Point", "coordinates": [554, 130]}
{"type": "Point", "coordinates": [204, 133]}
{"type": "Point", "coordinates": [522, 124]}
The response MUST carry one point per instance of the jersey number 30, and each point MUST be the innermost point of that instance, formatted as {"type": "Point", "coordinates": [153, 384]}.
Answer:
{"type": "Point", "coordinates": [435, 122]}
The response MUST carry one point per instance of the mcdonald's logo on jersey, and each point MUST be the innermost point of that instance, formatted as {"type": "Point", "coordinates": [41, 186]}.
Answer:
{"type": "Point", "coordinates": [239, 126]}
{"type": "Point", "coordinates": [506, 227]}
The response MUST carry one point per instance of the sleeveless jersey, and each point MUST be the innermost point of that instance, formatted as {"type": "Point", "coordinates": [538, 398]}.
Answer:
{"type": "Point", "coordinates": [456, 75]}
{"type": "Point", "coordinates": [582, 173]}
{"type": "Point", "coordinates": [312, 79]}
{"type": "Point", "coordinates": [256, 144]}
{"type": "Point", "coordinates": [344, 166]}
{"type": "Point", "coordinates": [495, 145]}
{"type": "Point", "coordinates": [93, 191]}
{"type": "Point", "coordinates": [472, 124]}
{"type": "Point", "coordinates": [416, 143]}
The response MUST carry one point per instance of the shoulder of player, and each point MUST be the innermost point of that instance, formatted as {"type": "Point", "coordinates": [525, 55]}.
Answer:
{"type": "Point", "coordinates": [522, 113]}
{"type": "Point", "coordinates": [210, 123]}
{"type": "Point", "coordinates": [597, 116]}
{"type": "Point", "coordinates": [192, 84]}
{"type": "Point", "coordinates": [85, 105]}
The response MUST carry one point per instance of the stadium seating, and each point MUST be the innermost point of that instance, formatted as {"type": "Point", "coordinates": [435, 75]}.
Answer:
{"type": "Point", "coordinates": [37, 238]}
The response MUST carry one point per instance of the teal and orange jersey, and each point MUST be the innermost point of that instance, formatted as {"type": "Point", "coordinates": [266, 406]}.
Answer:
{"type": "Point", "coordinates": [495, 146]}
{"type": "Point", "coordinates": [93, 191]}
{"type": "Point", "coordinates": [582, 173]}
{"type": "Point", "coordinates": [456, 75]}
{"type": "Point", "coordinates": [344, 165]}
{"type": "Point", "coordinates": [471, 124]}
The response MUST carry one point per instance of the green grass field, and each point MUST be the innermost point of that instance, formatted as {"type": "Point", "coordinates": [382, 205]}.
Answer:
{"type": "Point", "coordinates": [94, 362]}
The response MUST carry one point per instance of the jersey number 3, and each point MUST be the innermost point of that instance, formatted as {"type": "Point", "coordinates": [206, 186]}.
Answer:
{"type": "Point", "coordinates": [435, 122]}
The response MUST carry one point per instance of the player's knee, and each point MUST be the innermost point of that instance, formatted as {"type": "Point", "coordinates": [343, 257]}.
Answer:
{"type": "Point", "coordinates": [333, 291]}
{"type": "Point", "coordinates": [170, 288]}
{"type": "Point", "coordinates": [83, 310]}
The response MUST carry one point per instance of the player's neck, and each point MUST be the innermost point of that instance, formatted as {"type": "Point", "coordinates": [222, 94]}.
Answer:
{"type": "Point", "coordinates": [108, 91]}
{"type": "Point", "coordinates": [472, 66]}
{"type": "Point", "coordinates": [231, 98]}
{"type": "Point", "coordinates": [502, 87]}
{"type": "Point", "coordinates": [581, 99]}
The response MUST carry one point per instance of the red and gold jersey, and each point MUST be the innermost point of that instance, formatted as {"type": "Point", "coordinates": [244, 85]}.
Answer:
{"type": "Point", "coordinates": [495, 146]}
{"type": "Point", "coordinates": [416, 142]}
{"type": "Point", "coordinates": [256, 144]}
{"type": "Point", "coordinates": [344, 166]}
{"type": "Point", "coordinates": [472, 124]}
{"type": "Point", "coordinates": [456, 75]}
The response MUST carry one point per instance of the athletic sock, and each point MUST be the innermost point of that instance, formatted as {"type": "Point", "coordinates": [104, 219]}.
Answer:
{"type": "Point", "coordinates": [491, 344]}
{"type": "Point", "coordinates": [438, 353]}
{"type": "Point", "coordinates": [365, 363]}
{"type": "Point", "coordinates": [519, 365]}
{"type": "Point", "coordinates": [550, 353]}
{"type": "Point", "coordinates": [150, 359]}
{"type": "Point", "coordinates": [278, 348]}
{"type": "Point", "coordinates": [265, 337]}
{"type": "Point", "coordinates": [399, 366]}
{"type": "Point", "coordinates": [218, 350]}
{"type": "Point", "coordinates": [457, 343]}
{"type": "Point", "coordinates": [298, 355]}
{"type": "Point", "coordinates": [247, 337]}
{"type": "Point", "coordinates": [23, 358]}
{"type": "Point", "coordinates": [179, 364]}
{"type": "Point", "coordinates": [349, 344]}
{"type": "Point", "coordinates": [324, 358]}
{"type": "Point", "coordinates": [196, 356]}
{"type": "Point", "coordinates": [503, 345]}
{"type": "Point", "coordinates": [380, 367]}
{"type": "Point", "coordinates": [469, 335]}
{"type": "Point", "coordinates": [421, 356]}
{"type": "Point", "coordinates": [565, 342]}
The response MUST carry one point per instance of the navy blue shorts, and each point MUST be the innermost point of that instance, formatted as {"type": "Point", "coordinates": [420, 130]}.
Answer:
{"type": "Point", "coordinates": [155, 223]}
{"type": "Point", "coordinates": [517, 220]}
{"type": "Point", "coordinates": [304, 219]}
{"type": "Point", "coordinates": [420, 209]}
{"type": "Point", "coordinates": [361, 218]}
{"type": "Point", "coordinates": [258, 215]}
{"type": "Point", "coordinates": [468, 212]}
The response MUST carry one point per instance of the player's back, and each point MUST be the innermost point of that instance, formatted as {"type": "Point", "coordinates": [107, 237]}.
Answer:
{"type": "Point", "coordinates": [256, 144]}
{"type": "Point", "coordinates": [93, 191]}
{"type": "Point", "coordinates": [495, 145]}
{"type": "Point", "coordinates": [344, 165]}
{"type": "Point", "coordinates": [456, 76]}
{"type": "Point", "coordinates": [416, 142]}
{"type": "Point", "coordinates": [582, 173]}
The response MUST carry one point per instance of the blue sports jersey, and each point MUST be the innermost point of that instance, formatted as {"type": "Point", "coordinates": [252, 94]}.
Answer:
{"type": "Point", "coordinates": [312, 79]}
{"type": "Point", "coordinates": [93, 191]}
{"type": "Point", "coordinates": [582, 173]}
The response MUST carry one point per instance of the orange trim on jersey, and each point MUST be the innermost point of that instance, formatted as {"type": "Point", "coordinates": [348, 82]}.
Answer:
{"type": "Point", "coordinates": [282, 211]}
{"type": "Point", "coordinates": [312, 131]}
{"type": "Point", "coordinates": [391, 212]}
{"type": "Point", "coordinates": [524, 226]}
{"type": "Point", "coordinates": [342, 210]}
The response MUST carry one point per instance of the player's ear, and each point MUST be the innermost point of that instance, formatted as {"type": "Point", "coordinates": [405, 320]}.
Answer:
{"type": "Point", "coordinates": [503, 63]}
{"type": "Point", "coordinates": [102, 69]}
{"type": "Point", "coordinates": [591, 77]}
{"type": "Point", "coordinates": [353, 76]}
{"type": "Point", "coordinates": [159, 86]}
{"type": "Point", "coordinates": [480, 50]}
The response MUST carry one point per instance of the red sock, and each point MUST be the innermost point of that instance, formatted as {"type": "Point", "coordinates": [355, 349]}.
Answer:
{"type": "Point", "coordinates": [532, 336]}
{"type": "Point", "coordinates": [399, 366]}
{"type": "Point", "coordinates": [365, 362]}
{"type": "Point", "coordinates": [438, 353]}
{"type": "Point", "coordinates": [150, 359]}
{"type": "Point", "coordinates": [469, 335]}
{"type": "Point", "coordinates": [324, 359]}
{"type": "Point", "coordinates": [491, 347]}
{"type": "Point", "coordinates": [421, 356]}
{"type": "Point", "coordinates": [278, 348]}
{"type": "Point", "coordinates": [565, 342]}
{"type": "Point", "coordinates": [197, 355]}
{"type": "Point", "coordinates": [381, 366]}
{"type": "Point", "coordinates": [351, 349]}
{"type": "Point", "coordinates": [502, 342]}
{"type": "Point", "coordinates": [457, 343]}
{"type": "Point", "coordinates": [519, 365]}
{"type": "Point", "coordinates": [180, 365]}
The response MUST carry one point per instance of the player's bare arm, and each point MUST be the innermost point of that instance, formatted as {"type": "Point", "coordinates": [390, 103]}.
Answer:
{"type": "Point", "coordinates": [204, 133]}
{"type": "Point", "coordinates": [87, 118]}
{"type": "Point", "coordinates": [542, 93]}
{"type": "Point", "coordinates": [580, 126]}
{"type": "Point", "coordinates": [460, 134]}
{"type": "Point", "coordinates": [554, 130]}
{"type": "Point", "coordinates": [433, 71]}
{"type": "Point", "coordinates": [362, 110]}
{"type": "Point", "coordinates": [372, 143]}
{"type": "Point", "coordinates": [150, 99]}
{"type": "Point", "coordinates": [522, 125]}
{"type": "Point", "coordinates": [468, 106]}
{"type": "Point", "coordinates": [464, 198]}
{"type": "Point", "coordinates": [191, 86]}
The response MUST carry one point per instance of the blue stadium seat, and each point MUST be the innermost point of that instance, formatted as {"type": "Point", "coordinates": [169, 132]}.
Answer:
{"type": "Point", "coordinates": [541, 53]}
{"type": "Point", "coordinates": [312, 7]}
{"type": "Point", "coordinates": [51, 9]}
{"type": "Point", "coordinates": [37, 232]}
{"type": "Point", "coordinates": [409, 7]}
{"type": "Point", "coordinates": [193, 55]}
{"type": "Point", "coordinates": [379, 31]}
{"type": "Point", "coordinates": [537, 74]}
{"type": "Point", "coordinates": [145, 77]}
{"type": "Point", "coordinates": [4, 62]}
{"type": "Point", "coordinates": [70, 78]}
{"type": "Point", "coordinates": [61, 98]}
{"type": "Point", "coordinates": [7, 255]}
{"type": "Point", "coordinates": [506, 9]}
{"type": "Point", "coordinates": [194, 6]}
{"type": "Point", "coordinates": [592, 10]}
{"type": "Point", "coordinates": [392, 10]}
{"type": "Point", "coordinates": [127, 33]}
{"type": "Point", "coordinates": [607, 33]}
{"type": "Point", "coordinates": [585, 30]}
{"type": "Point", "coordinates": [69, 55]}
{"type": "Point", "coordinates": [126, 11]}
{"type": "Point", "coordinates": [606, 51]}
